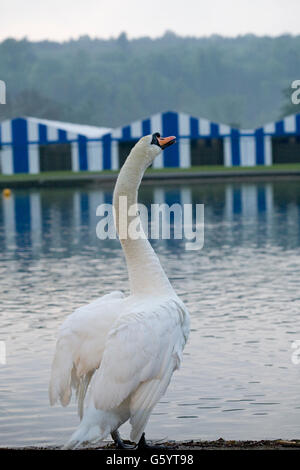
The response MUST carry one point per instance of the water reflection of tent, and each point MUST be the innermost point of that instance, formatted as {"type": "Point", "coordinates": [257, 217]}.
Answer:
{"type": "Point", "coordinates": [67, 220]}
{"type": "Point", "coordinates": [31, 145]}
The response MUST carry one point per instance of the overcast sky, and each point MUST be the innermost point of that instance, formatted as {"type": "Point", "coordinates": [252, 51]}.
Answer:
{"type": "Point", "coordinates": [64, 19]}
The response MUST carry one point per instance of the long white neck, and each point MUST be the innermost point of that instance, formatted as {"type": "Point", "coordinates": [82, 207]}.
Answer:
{"type": "Point", "coordinates": [144, 269]}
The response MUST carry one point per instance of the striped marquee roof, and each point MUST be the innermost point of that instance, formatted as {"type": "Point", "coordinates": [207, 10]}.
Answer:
{"type": "Point", "coordinates": [95, 148]}
{"type": "Point", "coordinates": [20, 137]}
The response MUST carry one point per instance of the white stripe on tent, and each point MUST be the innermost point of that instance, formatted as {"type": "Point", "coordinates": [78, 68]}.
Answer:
{"type": "Point", "coordinates": [94, 156]}
{"type": "Point", "coordinates": [117, 133]}
{"type": "Point", "coordinates": [290, 124]}
{"type": "Point", "coordinates": [75, 156]}
{"type": "Point", "coordinates": [204, 126]}
{"type": "Point", "coordinates": [6, 134]}
{"type": "Point", "coordinates": [7, 160]}
{"type": "Point", "coordinates": [33, 131]}
{"type": "Point", "coordinates": [184, 144]}
{"type": "Point", "coordinates": [184, 124]}
{"type": "Point", "coordinates": [184, 153]}
{"type": "Point", "coordinates": [227, 151]}
{"type": "Point", "coordinates": [71, 135]}
{"type": "Point", "coordinates": [34, 159]}
{"type": "Point", "coordinates": [270, 128]}
{"type": "Point", "coordinates": [136, 129]}
{"type": "Point", "coordinates": [268, 150]}
{"type": "Point", "coordinates": [7, 151]}
{"type": "Point", "coordinates": [74, 151]}
{"type": "Point", "coordinates": [248, 153]}
{"type": "Point", "coordinates": [224, 129]}
{"type": "Point", "coordinates": [33, 149]}
{"type": "Point", "coordinates": [156, 126]}
{"type": "Point", "coordinates": [52, 134]}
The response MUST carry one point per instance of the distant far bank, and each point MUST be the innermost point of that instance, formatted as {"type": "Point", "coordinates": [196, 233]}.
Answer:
{"type": "Point", "coordinates": [166, 175]}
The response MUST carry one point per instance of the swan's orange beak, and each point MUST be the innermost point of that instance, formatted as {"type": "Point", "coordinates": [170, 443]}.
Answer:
{"type": "Point", "coordinates": [165, 142]}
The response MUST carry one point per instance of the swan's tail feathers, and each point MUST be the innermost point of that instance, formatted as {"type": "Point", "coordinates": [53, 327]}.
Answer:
{"type": "Point", "coordinates": [95, 426]}
{"type": "Point", "coordinates": [144, 400]}
{"type": "Point", "coordinates": [60, 382]}
{"type": "Point", "coordinates": [85, 434]}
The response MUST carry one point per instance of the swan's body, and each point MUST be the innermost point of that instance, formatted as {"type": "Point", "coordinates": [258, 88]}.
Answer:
{"type": "Point", "coordinates": [124, 350]}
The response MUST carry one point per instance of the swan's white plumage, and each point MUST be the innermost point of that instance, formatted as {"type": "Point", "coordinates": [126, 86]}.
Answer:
{"type": "Point", "coordinates": [138, 349]}
{"type": "Point", "coordinates": [122, 350]}
{"type": "Point", "coordinates": [80, 346]}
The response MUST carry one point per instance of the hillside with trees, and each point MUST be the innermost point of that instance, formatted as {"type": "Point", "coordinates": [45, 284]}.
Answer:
{"type": "Point", "coordinates": [243, 81]}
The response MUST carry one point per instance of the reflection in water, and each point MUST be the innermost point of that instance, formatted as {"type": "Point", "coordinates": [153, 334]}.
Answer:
{"type": "Point", "coordinates": [242, 288]}
{"type": "Point", "coordinates": [32, 220]}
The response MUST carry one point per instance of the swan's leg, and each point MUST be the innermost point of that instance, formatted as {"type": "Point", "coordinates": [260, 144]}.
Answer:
{"type": "Point", "coordinates": [143, 444]}
{"type": "Point", "coordinates": [119, 442]}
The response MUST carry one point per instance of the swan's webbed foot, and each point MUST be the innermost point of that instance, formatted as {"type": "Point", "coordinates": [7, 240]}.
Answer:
{"type": "Point", "coordinates": [143, 444]}
{"type": "Point", "coordinates": [120, 444]}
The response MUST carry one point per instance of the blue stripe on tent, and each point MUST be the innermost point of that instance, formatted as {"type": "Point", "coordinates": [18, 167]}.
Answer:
{"type": "Point", "coordinates": [126, 133]}
{"type": "Point", "coordinates": [42, 134]}
{"type": "Point", "coordinates": [214, 129]}
{"type": "Point", "coordinates": [298, 124]}
{"type": "Point", "coordinates": [62, 135]}
{"type": "Point", "coordinates": [194, 127]}
{"type": "Point", "coordinates": [146, 127]}
{"type": "Point", "coordinates": [82, 148]}
{"type": "Point", "coordinates": [106, 142]}
{"type": "Point", "coordinates": [279, 128]}
{"type": "Point", "coordinates": [20, 145]}
{"type": "Point", "coordinates": [170, 127]}
{"type": "Point", "coordinates": [260, 146]}
{"type": "Point", "coordinates": [235, 147]}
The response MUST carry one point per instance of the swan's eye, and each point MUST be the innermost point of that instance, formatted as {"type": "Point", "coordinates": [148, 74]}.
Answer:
{"type": "Point", "coordinates": [155, 137]}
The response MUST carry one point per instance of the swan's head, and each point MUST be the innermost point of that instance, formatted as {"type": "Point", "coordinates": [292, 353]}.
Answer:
{"type": "Point", "coordinates": [150, 146]}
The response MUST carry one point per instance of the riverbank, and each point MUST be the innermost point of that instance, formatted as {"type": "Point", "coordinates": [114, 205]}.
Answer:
{"type": "Point", "coordinates": [220, 444]}
{"type": "Point", "coordinates": [167, 175]}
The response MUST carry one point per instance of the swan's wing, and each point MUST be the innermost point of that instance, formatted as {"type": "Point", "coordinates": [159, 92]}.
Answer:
{"type": "Point", "coordinates": [80, 346]}
{"type": "Point", "coordinates": [145, 345]}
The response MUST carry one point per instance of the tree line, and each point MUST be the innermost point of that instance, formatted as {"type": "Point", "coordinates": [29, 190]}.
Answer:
{"type": "Point", "coordinates": [243, 81]}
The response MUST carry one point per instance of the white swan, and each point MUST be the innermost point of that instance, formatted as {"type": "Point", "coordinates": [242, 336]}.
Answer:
{"type": "Point", "coordinates": [124, 349]}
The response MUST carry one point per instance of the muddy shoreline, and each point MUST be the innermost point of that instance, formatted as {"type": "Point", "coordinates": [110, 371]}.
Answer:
{"type": "Point", "coordinates": [220, 444]}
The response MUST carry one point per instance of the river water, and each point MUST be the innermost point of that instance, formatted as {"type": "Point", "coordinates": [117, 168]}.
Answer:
{"type": "Point", "coordinates": [237, 379]}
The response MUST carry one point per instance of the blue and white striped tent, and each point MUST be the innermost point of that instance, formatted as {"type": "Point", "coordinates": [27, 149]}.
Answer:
{"type": "Point", "coordinates": [21, 138]}
{"type": "Point", "coordinates": [97, 149]}
{"type": "Point", "coordinates": [241, 147]}
{"type": "Point", "coordinates": [183, 126]}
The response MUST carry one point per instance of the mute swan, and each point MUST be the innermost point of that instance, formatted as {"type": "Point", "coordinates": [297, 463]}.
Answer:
{"type": "Point", "coordinates": [122, 350]}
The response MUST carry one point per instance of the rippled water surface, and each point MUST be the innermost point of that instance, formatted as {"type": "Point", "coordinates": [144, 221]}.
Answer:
{"type": "Point", "coordinates": [237, 379]}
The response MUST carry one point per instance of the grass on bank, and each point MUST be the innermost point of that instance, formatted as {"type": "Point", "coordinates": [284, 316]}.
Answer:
{"type": "Point", "coordinates": [64, 175]}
